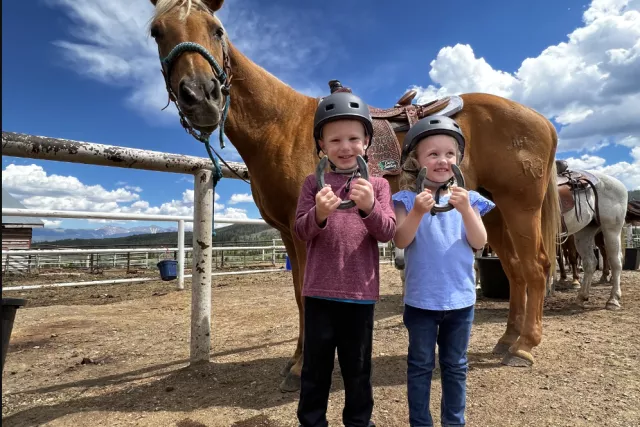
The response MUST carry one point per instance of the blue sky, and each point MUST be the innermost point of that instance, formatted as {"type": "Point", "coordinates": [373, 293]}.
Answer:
{"type": "Point", "coordinates": [87, 70]}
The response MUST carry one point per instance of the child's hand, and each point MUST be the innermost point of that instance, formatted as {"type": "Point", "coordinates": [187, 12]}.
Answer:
{"type": "Point", "coordinates": [424, 202]}
{"type": "Point", "coordinates": [326, 203]}
{"type": "Point", "coordinates": [362, 194]}
{"type": "Point", "coordinates": [460, 199]}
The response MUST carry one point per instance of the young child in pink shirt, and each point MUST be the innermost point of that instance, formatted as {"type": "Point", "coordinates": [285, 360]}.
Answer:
{"type": "Point", "coordinates": [341, 280]}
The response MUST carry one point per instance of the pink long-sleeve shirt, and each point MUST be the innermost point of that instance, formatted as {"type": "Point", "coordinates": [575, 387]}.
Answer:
{"type": "Point", "coordinates": [342, 253]}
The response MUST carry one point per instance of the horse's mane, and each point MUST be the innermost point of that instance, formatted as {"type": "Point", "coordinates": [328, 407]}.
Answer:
{"type": "Point", "coordinates": [165, 6]}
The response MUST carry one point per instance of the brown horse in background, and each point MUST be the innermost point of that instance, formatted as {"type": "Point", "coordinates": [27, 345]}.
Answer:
{"type": "Point", "coordinates": [570, 253]}
{"type": "Point", "coordinates": [510, 156]}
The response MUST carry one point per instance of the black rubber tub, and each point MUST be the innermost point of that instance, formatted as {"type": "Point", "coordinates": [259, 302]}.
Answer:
{"type": "Point", "coordinates": [9, 308]}
{"type": "Point", "coordinates": [493, 281]}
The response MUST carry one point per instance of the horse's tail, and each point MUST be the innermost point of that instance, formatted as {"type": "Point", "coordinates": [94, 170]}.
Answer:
{"type": "Point", "coordinates": [551, 216]}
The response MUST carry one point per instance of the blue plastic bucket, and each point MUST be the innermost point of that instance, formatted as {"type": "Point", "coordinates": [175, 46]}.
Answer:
{"type": "Point", "coordinates": [168, 269]}
{"type": "Point", "coordinates": [287, 265]}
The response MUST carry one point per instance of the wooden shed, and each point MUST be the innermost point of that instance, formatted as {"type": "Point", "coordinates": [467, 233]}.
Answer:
{"type": "Point", "coordinates": [17, 231]}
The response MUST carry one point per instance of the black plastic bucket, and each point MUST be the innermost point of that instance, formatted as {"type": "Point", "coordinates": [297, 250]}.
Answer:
{"type": "Point", "coordinates": [9, 308]}
{"type": "Point", "coordinates": [493, 281]}
{"type": "Point", "coordinates": [631, 259]}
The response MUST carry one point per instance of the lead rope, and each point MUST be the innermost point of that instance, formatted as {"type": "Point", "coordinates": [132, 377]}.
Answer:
{"type": "Point", "coordinates": [353, 171]}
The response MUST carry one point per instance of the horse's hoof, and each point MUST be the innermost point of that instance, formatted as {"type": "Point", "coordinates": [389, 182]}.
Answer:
{"type": "Point", "coordinates": [575, 284]}
{"type": "Point", "coordinates": [501, 348]}
{"type": "Point", "coordinates": [290, 384]}
{"type": "Point", "coordinates": [285, 370]}
{"type": "Point", "coordinates": [612, 305]}
{"type": "Point", "coordinates": [581, 300]}
{"type": "Point", "coordinates": [519, 359]}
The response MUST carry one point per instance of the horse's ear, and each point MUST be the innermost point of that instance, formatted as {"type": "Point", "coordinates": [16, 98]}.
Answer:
{"type": "Point", "coordinates": [153, 2]}
{"type": "Point", "coordinates": [214, 5]}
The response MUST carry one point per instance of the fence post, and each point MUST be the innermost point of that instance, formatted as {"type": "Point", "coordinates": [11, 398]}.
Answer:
{"type": "Point", "coordinates": [201, 277]}
{"type": "Point", "coordinates": [128, 262]}
{"type": "Point", "coordinates": [181, 254]}
{"type": "Point", "coordinates": [273, 252]}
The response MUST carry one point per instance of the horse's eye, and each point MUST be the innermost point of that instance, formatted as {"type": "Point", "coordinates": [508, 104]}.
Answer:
{"type": "Point", "coordinates": [155, 32]}
{"type": "Point", "coordinates": [219, 32]}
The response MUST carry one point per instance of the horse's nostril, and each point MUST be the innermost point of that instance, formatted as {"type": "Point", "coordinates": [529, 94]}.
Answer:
{"type": "Point", "coordinates": [211, 89]}
{"type": "Point", "coordinates": [189, 93]}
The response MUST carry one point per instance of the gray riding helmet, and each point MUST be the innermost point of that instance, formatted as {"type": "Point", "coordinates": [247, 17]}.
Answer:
{"type": "Point", "coordinates": [432, 125]}
{"type": "Point", "coordinates": [341, 105]}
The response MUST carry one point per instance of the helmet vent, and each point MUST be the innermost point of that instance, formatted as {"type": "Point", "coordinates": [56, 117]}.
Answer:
{"type": "Point", "coordinates": [330, 107]}
{"type": "Point", "coordinates": [354, 105]}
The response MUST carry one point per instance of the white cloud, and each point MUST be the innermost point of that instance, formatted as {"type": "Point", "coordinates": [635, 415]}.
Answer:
{"type": "Point", "coordinates": [110, 43]}
{"type": "Point", "coordinates": [628, 173]}
{"type": "Point", "coordinates": [51, 224]}
{"type": "Point", "coordinates": [585, 162]}
{"type": "Point", "coordinates": [233, 213]}
{"type": "Point", "coordinates": [36, 189]}
{"type": "Point", "coordinates": [32, 180]}
{"type": "Point", "coordinates": [589, 84]}
{"type": "Point", "coordinates": [240, 198]}
{"type": "Point", "coordinates": [133, 188]}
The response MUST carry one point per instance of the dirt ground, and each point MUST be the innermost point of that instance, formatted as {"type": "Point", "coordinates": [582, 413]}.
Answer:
{"type": "Point", "coordinates": [118, 355]}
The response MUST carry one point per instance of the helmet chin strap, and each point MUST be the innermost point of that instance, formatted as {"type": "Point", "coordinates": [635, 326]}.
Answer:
{"type": "Point", "coordinates": [335, 169]}
{"type": "Point", "coordinates": [441, 186]}
{"type": "Point", "coordinates": [430, 183]}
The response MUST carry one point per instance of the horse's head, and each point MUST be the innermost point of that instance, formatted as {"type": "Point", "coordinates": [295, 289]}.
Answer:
{"type": "Point", "coordinates": [193, 49]}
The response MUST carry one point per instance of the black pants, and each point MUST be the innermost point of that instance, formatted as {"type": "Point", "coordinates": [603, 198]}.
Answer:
{"type": "Point", "coordinates": [349, 328]}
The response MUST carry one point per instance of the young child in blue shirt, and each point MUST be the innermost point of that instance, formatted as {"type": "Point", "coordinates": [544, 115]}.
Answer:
{"type": "Point", "coordinates": [439, 276]}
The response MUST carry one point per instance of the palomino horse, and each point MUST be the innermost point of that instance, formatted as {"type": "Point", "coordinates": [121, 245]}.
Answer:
{"type": "Point", "coordinates": [271, 126]}
{"type": "Point", "coordinates": [599, 205]}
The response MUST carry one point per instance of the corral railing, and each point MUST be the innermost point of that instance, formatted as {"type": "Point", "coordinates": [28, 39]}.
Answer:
{"type": "Point", "coordinates": [64, 150]}
{"type": "Point", "coordinates": [129, 259]}
{"type": "Point", "coordinates": [22, 258]}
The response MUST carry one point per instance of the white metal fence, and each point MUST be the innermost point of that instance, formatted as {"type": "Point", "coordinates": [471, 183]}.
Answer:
{"type": "Point", "coordinates": [132, 259]}
{"type": "Point", "coordinates": [64, 150]}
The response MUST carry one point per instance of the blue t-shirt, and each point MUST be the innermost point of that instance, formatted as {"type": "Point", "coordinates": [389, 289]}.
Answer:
{"type": "Point", "coordinates": [439, 272]}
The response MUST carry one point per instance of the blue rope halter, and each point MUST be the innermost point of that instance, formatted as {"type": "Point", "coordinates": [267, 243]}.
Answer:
{"type": "Point", "coordinates": [225, 83]}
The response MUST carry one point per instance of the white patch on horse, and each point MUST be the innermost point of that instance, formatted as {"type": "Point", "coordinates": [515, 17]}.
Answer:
{"type": "Point", "coordinates": [165, 6]}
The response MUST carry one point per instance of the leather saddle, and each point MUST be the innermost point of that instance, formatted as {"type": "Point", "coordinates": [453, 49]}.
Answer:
{"type": "Point", "coordinates": [573, 185]}
{"type": "Point", "coordinates": [385, 153]}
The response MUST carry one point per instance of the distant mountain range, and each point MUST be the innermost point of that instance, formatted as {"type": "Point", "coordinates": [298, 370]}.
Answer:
{"type": "Point", "coordinates": [140, 236]}
{"type": "Point", "coordinates": [51, 234]}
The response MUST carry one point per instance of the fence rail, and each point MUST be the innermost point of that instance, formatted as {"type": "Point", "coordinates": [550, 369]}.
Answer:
{"type": "Point", "coordinates": [36, 260]}
{"type": "Point", "coordinates": [56, 149]}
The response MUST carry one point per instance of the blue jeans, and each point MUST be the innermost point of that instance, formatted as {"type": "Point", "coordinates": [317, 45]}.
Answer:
{"type": "Point", "coordinates": [451, 330]}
